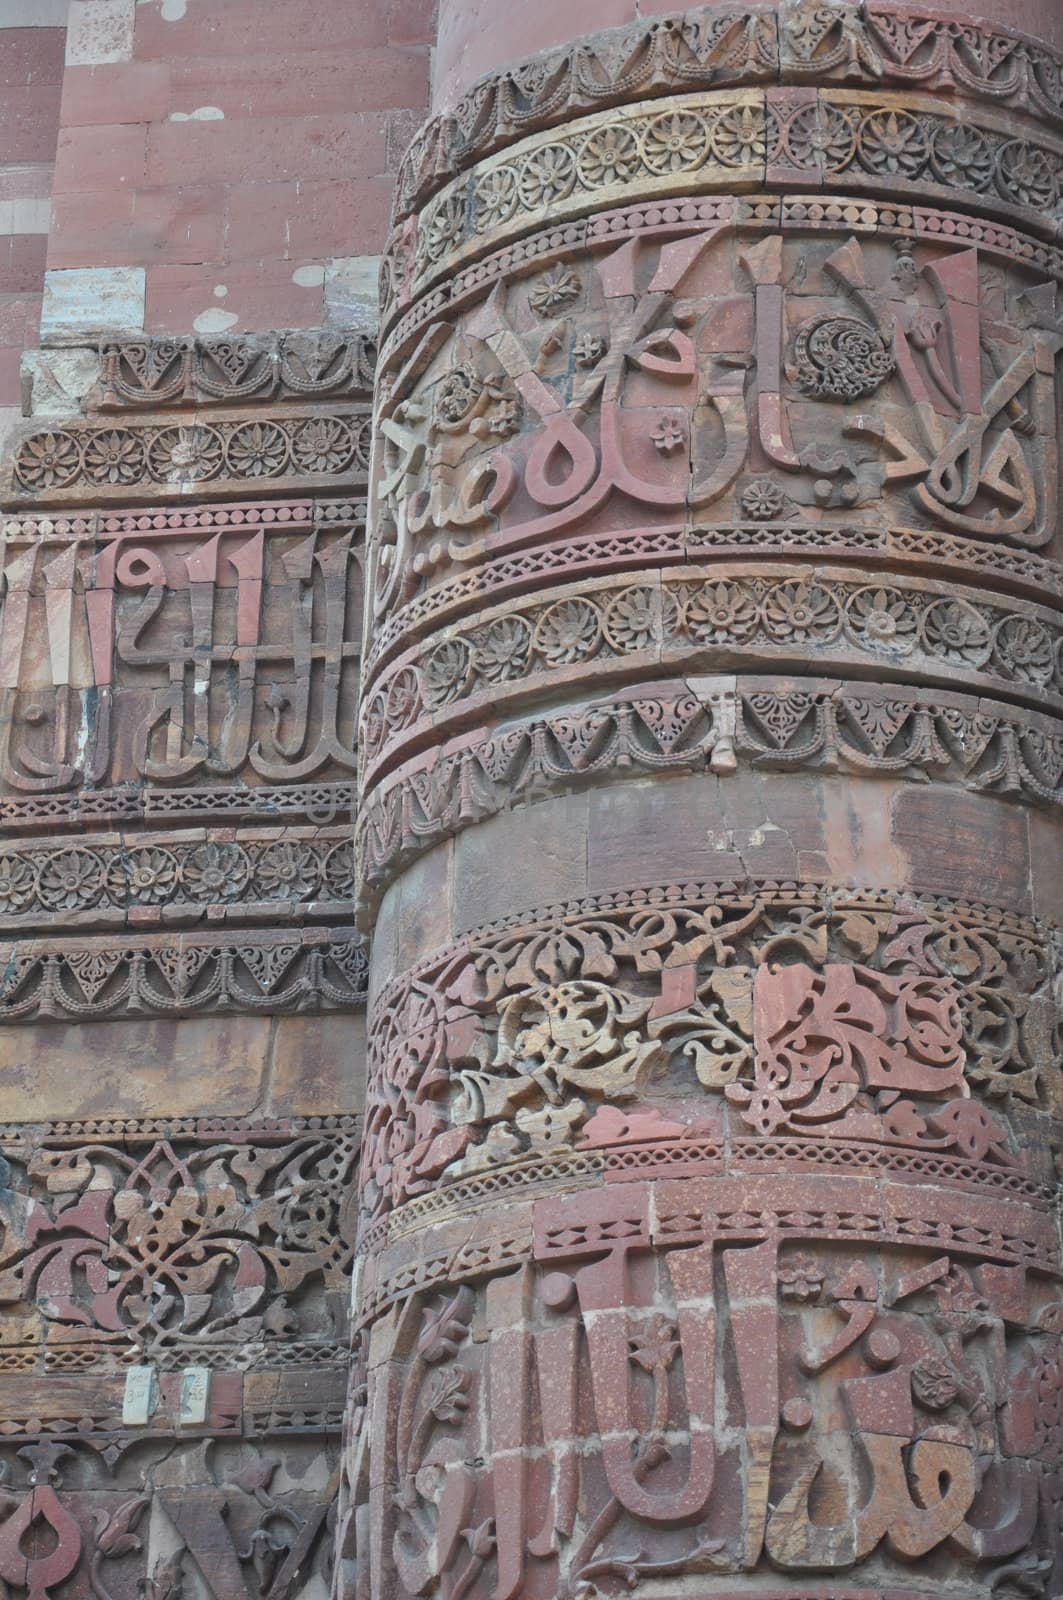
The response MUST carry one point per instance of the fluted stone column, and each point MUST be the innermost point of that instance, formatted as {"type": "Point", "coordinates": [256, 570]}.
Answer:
{"type": "Point", "coordinates": [711, 766]}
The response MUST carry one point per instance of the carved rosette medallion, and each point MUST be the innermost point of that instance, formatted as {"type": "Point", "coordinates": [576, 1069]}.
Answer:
{"type": "Point", "coordinates": [711, 759]}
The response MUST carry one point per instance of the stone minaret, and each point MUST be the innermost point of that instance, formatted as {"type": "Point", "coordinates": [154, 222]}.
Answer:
{"type": "Point", "coordinates": [710, 769]}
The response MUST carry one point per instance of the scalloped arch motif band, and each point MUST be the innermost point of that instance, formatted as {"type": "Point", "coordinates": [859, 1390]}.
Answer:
{"type": "Point", "coordinates": [709, 835]}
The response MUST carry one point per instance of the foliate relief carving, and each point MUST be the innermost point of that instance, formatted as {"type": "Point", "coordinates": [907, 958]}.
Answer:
{"type": "Point", "coordinates": [162, 975]}
{"type": "Point", "coordinates": [810, 617]}
{"type": "Point", "coordinates": [804, 41]}
{"type": "Point", "coordinates": [72, 462]}
{"type": "Point", "coordinates": [844, 1016]}
{"type": "Point", "coordinates": [717, 141]}
{"type": "Point", "coordinates": [173, 1307]}
{"type": "Point", "coordinates": [651, 1400]}
{"type": "Point", "coordinates": [978, 743]}
{"type": "Point", "coordinates": [296, 366]}
{"type": "Point", "coordinates": [161, 653]}
{"type": "Point", "coordinates": [153, 1247]}
{"type": "Point", "coordinates": [823, 1037]}
{"type": "Point", "coordinates": [836, 358]}
{"type": "Point", "coordinates": [702, 401]}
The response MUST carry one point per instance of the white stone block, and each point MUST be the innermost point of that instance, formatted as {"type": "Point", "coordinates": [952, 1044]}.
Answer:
{"type": "Point", "coordinates": [141, 1394]}
{"type": "Point", "coordinates": [29, 216]}
{"type": "Point", "coordinates": [195, 1393]}
{"type": "Point", "coordinates": [99, 31]}
{"type": "Point", "coordinates": [91, 300]}
{"type": "Point", "coordinates": [55, 382]}
{"type": "Point", "coordinates": [352, 293]}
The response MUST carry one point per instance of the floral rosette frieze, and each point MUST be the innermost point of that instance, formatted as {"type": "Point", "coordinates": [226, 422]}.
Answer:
{"type": "Point", "coordinates": [104, 880]}
{"type": "Point", "coordinates": [68, 462]}
{"type": "Point", "coordinates": [903, 146]}
{"type": "Point", "coordinates": [691, 623]}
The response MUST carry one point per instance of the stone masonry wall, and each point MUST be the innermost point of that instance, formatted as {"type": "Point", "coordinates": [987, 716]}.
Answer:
{"type": "Point", "coordinates": [181, 981]}
{"type": "Point", "coordinates": [32, 45]}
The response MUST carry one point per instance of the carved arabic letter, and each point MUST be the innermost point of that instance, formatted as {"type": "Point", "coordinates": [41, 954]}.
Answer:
{"type": "Point", "coordinates": [616, 471]}
{"type": "Point", "coordinates": [796, 1543]}
{"type": "Point", "coordinates": [956, 280]}
{"type": "Point", "coordinates": [48, 774]}
{"type": "Point", "coordinates": [58, 578]}
{"type": "Point", "coordinates": [235, 735]}
{"type": "Point", "coordinates": [763, 263]}
{"type": "Point", "coordinates": [562, 463]}
{"type": "Point", "coordinates": [510, 1370]}
{"type": "Point", "coordinates": [202, 568]}
{"type": "Point", "coordinates": [855, 1300]}
{"type": "Point", "coordinates": [914, 1527]}
{"type": "Point", "coordinates": [199, 1515]}
{"type": "Point", "coordinates": [603, 1301]}
{"type": "Point", "coordinates": [333, 561]}
{"type": "Point", "coordinates": [667, 354]}
{"type": "Point", "coordinates": [556, 1354]}
{"type": "Point", "coordinates": [139, 568]}
{"type": "Point", "coordinates": [881, 1411]}
{"type": "Point", "coordinates": [1013, 1485]}
{"type": "Point", "coordinates": [752, 1292]}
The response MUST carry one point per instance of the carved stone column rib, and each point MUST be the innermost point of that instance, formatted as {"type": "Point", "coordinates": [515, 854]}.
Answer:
{"type": "Point", "coordinates": [711, 764]}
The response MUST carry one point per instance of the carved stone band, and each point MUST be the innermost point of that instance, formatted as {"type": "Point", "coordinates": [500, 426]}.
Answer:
{"type": "Point", "coordinates": [715, 724]}
{"type": "Point", "coordinates": [1025, 572]}
{"type": "Point", "coordinates": [813, 381]}
{"type": "Point", "coordinates": [689, 623]}
{"type": "Point", "coordinates": [166, 975]}
{"type": "Point", "coordinates": [758, 212]}
{"type": "Point", "coordinates": [520, 1045]}
{"type": "Point", "coordinates": [825, 1297]}
{"type": "Point", "coordinates": [873, 44]}
{"type": "Point", "coordinates": [68, 463]}
{"type": "Point", "coordinates": [109, 879]}
{"type": "Point", "coordinates": [148, 615]}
